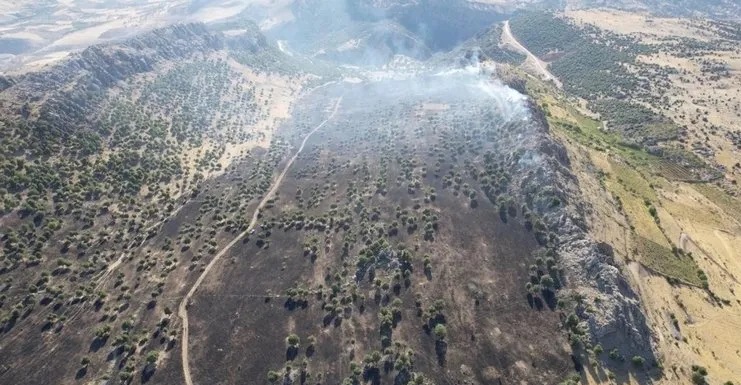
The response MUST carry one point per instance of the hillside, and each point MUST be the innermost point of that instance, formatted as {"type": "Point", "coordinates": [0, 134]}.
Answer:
{"type": "Point", "coordinates": [669, 201]}
{"type": "Point", "coordinates": [372, 192]}
{"type": "Point", "coordinates": [101, 150]}
{"type": "Point", "coordinates": [722, 9]}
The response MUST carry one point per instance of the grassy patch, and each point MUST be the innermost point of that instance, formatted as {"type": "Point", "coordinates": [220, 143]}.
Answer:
{"type": "Point", "coordinates": [672, 171]}
{"type": "Point", "coordinates": [638, 214]}
{"type": "Point", "coordinates": [664, 261]}
{"type": "Point", "coordinates": [720, 198]}
{"type": "Point", "coordinates": [633, 181]}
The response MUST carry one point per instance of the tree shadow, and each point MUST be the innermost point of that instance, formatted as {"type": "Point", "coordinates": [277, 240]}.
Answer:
{"type": "Point", "coordinates": [538, 302]}
{"type": "Point", "coordinates": [372, 375]}
{"type": "Point", "coordinates": [147, 373]}
{"type": "Point", "coordinates": [81, 373]}
{"type": "Point", "coordinates": [503, 215]}
{"type": "Point", "coordinates": [403, 377]}
{"type": "Point", "coordinates": [550, 299]}
{"type": "Point", "coordinates": [578, 366]}
{"type": "Point", "coordinates": [291, 353]}
{"type": "Point", "coordinates": [97, 344]}
{"type": "Point", "coordinates": [441, 350]}
{"type": "Point", "coordinates": [328, 319]}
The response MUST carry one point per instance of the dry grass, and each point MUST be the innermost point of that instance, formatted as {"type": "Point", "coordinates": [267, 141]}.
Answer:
{"type": "Point", "coordinates": [700, 219]}
{"type": "Point", "coordinates": [708, 107]}
{"type": "Point", "coordinates": [650, 29]}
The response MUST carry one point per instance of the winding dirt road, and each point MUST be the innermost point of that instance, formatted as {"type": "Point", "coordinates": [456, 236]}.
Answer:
{"type": "Point", "coordinates": [532, 60]}
{"type": "Point", "coordinates": [183, 308]}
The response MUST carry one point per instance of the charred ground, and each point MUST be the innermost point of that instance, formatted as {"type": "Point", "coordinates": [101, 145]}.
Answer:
{"type": "Point", "coordinates": [380, 234]}
{"type": "Point", "coordinates": [432, 231]}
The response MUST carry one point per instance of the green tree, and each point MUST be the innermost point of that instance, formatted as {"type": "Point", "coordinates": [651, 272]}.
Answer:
{"type": "Point", "coordinates": [440, 331]}
{"type": "Point", "coordinates": [293, 341]}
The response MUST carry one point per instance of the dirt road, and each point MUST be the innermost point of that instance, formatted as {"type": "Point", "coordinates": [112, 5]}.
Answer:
{"type": "Point", "coordinates": [183, 308]}
{"type": "Point", "coordinates": [532, 61]}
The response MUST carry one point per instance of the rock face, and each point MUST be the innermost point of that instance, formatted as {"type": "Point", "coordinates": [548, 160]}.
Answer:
{"type": "Point", "coordinates": [589, 267]}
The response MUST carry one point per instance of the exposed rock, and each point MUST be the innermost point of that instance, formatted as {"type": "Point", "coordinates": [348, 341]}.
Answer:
{"type": "Point", "coordinates": [64, 99]}
{"type": "Point", "coordinates": [589, 267]}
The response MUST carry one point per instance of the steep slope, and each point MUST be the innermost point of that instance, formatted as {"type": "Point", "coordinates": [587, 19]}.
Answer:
{"type": "Point", "coordinates": [667, 206]}
{"type": "Point", "coordinates": [196, 206]}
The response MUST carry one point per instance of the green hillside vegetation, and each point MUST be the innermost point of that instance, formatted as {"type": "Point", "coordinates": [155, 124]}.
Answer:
{"type": "Point", "coordinates": [595, 65]}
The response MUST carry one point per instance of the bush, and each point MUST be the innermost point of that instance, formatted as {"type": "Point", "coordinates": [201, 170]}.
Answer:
{"type": "Point", "coordinates": [293, 341]}
{"type": "Point", "coordinates": [273, 376]}
{"type": "Point", "coordinates": [152, 357]}
{"type": "Point", "coordinates": [440, 331]}
{"type": "Point", "coordinates": [598, 350]}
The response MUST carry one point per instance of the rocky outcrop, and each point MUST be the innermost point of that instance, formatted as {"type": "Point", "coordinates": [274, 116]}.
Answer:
{"type": "Point", "coordinates": [618, 321]}
{"type": "Point", "coordinates": [68, 95]}
{"type": "Point", "coordinates": [100, 66]}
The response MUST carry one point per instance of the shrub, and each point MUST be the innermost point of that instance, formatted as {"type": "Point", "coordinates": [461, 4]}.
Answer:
{"type": "Point", "coordinates": [152, 357]}
{"type": "Point", "coordinates": [598, 349]}
{"type": "Point", "coordinates": [273, 376]}
{"type": "Point", "coordinates": [440, 331]}
{"type": "Point", "coordinates": [293, 341]}
{"type": "Point", "coordinates": [638, 360]}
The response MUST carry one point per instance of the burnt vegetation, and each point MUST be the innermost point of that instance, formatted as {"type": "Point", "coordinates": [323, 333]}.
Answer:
{"type": "Point", "coordinates": [424, 234]}
{"type": "Point", "coordinates": [396, 243]}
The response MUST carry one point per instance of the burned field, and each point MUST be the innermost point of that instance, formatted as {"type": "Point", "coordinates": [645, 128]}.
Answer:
{"type": "Point", "coordinates": [421, 236]}
{"type": "Point", "coordinates": [129, 324]}
{"type": "Point", "coordinates": [205, 204]}
{"type": "Point", "coordinates": [393, 252]}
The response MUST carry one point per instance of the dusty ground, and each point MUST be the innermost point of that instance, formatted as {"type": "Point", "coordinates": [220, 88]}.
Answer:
{"type": "Point", "coordinates": [274, 94]}
{"type": "Point", "coordinates": [652, 29]}
{"type": "Point", "coordinates": [698, 218]}
{"type": "Point", "coordinates": [708, 106]}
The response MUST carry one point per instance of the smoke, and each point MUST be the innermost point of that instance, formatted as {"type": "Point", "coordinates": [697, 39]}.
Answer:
{"type": "Point", "coordinates": [384, 52]}
{"type": "Point", "coordinates": [374, 33]}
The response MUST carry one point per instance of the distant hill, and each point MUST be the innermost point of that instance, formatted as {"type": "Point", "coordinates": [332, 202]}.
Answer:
{"type": "Point", "coordinates": [725, 9]}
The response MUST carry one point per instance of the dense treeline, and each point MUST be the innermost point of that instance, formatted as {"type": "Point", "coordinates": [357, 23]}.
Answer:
{"type": "Point", "coordinates": [598, 67]}
{"type": "Point", "coordinates": [489, 42]}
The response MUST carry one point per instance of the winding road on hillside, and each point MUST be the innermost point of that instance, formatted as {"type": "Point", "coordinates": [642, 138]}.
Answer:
{"type": "Point", "coordinates": [183, 308]}
{"type": "Point", "coordinates": [536, 64]}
